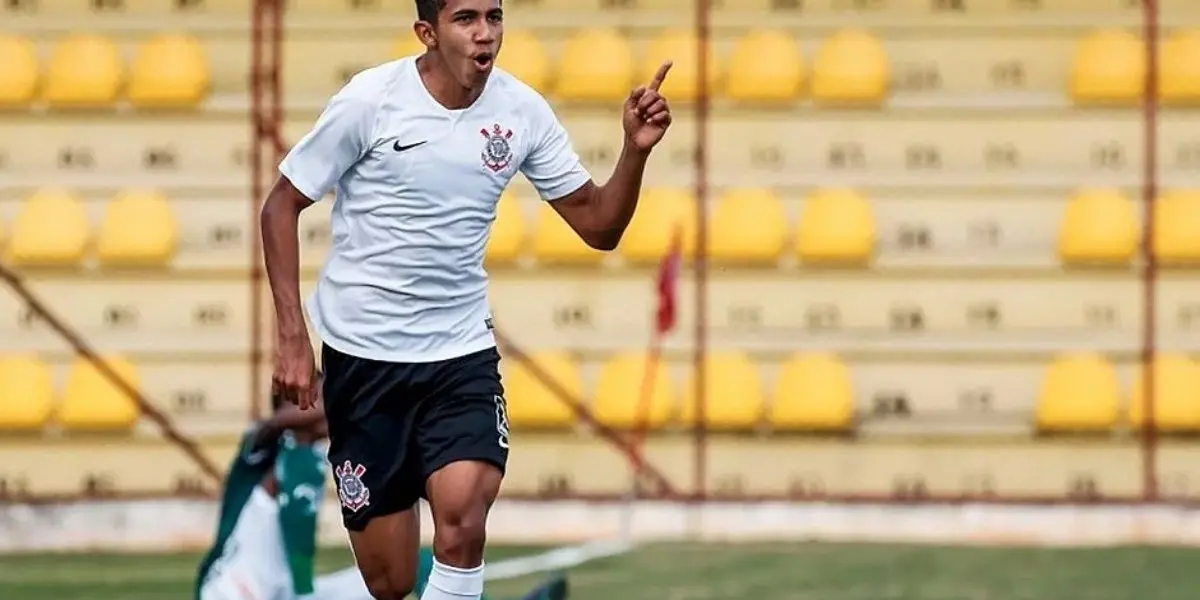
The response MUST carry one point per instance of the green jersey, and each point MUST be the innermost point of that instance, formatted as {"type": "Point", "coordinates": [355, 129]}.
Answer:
{"type": "Point", "coordinates": [300, 470]}
{"type": "Point", "coordinates": [263, 541]}
{"type": "Point", "coordinates": [246, 472]}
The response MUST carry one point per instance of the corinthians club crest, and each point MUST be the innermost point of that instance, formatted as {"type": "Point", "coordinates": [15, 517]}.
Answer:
{"type": "Point", "coordinates": [351, 491]}
{"type": "Point", "coordinates": [497, 152]}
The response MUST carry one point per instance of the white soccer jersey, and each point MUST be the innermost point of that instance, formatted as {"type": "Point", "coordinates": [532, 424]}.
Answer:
{"type": "Point", "coordinates": [416, 187]}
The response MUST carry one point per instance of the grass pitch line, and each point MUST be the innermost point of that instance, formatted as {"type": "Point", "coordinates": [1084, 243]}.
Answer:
{"type": "Point", "coordinates": [552, 560]}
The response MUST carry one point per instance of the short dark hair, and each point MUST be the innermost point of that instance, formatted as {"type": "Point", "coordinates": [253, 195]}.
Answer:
{"type": "Point", "coordinates": [427, 10]}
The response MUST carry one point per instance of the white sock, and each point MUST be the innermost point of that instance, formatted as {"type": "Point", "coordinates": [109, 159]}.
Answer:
{"type": "Point", "coordinates": [453, 583]}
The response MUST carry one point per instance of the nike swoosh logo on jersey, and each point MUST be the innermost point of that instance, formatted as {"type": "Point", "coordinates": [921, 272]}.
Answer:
{"type": "Point", "coordinates": [399, 148]}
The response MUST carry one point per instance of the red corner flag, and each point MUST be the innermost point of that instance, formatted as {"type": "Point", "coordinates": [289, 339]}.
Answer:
{"type": "Point", "coordinates": [668, 274]}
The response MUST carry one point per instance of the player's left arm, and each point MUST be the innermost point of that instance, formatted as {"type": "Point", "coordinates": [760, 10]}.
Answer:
{"type": "Point", "coordinates": [599, 214]}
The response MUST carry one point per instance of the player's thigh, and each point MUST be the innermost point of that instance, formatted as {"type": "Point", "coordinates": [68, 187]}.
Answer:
{"type": "Point", "coordinates": [370, 434]}
{"type": "Point", "coordinates": [463, 435]}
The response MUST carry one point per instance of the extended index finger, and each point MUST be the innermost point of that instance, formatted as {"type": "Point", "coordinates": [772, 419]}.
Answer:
{"type": "Point", "coordinates": [661, 75]}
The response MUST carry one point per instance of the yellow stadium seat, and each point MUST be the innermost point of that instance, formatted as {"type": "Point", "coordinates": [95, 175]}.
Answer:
{"type": "Point", "coordinates": [525, 57]}
{"type": "Point", "coordinates": [601, 67]}
{"type": "Point", "coordinates": [659, 211]}
{"type": "Point", "coordinates": [530, 402]}
{"type": "Point", "coordinates": [19, 77]}
{"type": "Point", "coordinates": [1179, 79]}
{"type": "Point", "coordinates": [1177, 228]}
{"type": "Point", "coordinates": [680, 47]}
{"type": "Point", "coordinates": [733, 395]}
{"type": "Point", "coordinates": [91, 402]}
{"type": "Point", "coordinates": [851, 69]}
{"type": "Point", "coordinates": [169, 71]}
{"type": "Point", "coordinates": [1099, 227]}
{"type": "Point", "coordinates": [814, 392]}
{"type": "Point", "coordinates": [748, 225]}
{"type": "Point", "coordinates": [1080, 392]}
{"type": "Point", "coordinates": [619, 393]}
{"type": "Point", "coordinates": [51, 230]}
{"type": "Point", "coordinates": [555, 242]}
{"type": "Point", "coordinates": [1176, 394]}
{"type": "Point", "coordinates": [752, 79]}
{"type": "Point", "coordinates": [139, 229]}
{"type": "Point", "coordinates": [407, 44]}
{"type": "Point", "coordinates": [836, 227]}
{"type": "Point", "coordinates": [27, 394]}
{"type": "Point", "coordinates": [85, 72]}
{"type": "Point", "coordinates": [1108, 69]}
{"type": "Point", "coordinates": [508, 232]}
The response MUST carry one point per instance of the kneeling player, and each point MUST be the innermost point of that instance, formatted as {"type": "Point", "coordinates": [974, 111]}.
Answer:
{"type": "Point", "coordinates": [265, 546]}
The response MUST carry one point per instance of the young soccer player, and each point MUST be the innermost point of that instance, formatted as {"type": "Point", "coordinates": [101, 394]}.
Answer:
{"type": "Point", "coordinates": [419, 151]}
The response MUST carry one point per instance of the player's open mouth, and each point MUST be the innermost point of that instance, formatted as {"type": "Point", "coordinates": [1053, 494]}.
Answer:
{"type": "Point", "coordinates": [483, 61]}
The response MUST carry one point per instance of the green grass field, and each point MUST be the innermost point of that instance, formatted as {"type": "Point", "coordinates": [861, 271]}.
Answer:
{"type": "Point", "coordinates": [697, 572]}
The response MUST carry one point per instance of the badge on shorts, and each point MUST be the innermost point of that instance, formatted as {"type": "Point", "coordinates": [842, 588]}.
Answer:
{"type": "Point", "coordinates": [497, 152]}
{"type": "Point", "coordinates": [351, 491]}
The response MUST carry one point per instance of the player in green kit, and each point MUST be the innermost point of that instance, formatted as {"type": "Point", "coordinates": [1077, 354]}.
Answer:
{"type": "Point", "coordinates": [265, 546]}
{"type": "Point", "coordinates": [266, 534]}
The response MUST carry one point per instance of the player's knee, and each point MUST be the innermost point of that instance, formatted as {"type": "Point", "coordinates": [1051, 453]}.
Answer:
{"type": "Point", "coordinates": [459, 535]}
{"type": "Point", "coordinates": [390, 585]}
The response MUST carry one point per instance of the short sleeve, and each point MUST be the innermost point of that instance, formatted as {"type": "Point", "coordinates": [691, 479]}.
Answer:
{"type": "Point", "coordinates": [341, 136]}
{"type": "Point", "coordinates": [552, 166]}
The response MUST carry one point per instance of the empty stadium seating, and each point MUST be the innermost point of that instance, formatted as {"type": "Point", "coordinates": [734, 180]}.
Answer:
{"type": "Point", "coordinates": [91, 401]}
{"type": "Point", "coordinates": [851, 69]}
{"type": "Point", "coordinates": [1079, 393]}
{"type": "Point", "coordinates": [169, 71]}
{"type": "Point", "coordinates": [1175, 382]}
{"type": "Point", "coordinates": [633, 393]}
{"type": "Point", "coordinates": [85, 71]}
{"type": "Point", "coordinates": [733, 394]}
{"type": "Point", "coordinates": [525, 57]}
{"type": "Point", "coordinates": [754, 80]}
{"type": "Point", "coordinates": [27, 398]}
{"type": "Point", "coordinates": [1109, 69]}
{"type": "Point", "coordinates": [51, 230]}
{"type": "Point", "coordinates": [836, 226]}
{"type": "Point", "coordinates": [952, 165]}
{"type": "Point", "coordinates": [748, 226]}
{"type": "Point", "coordinates": [1176, 225]}
{"type": "Point", "coordinates": [1179, 81]}
{"type": "Point", "coordinates": [533, 391]}
{"type": "Point", "coordinates": [684, 82]}
{"type": "Point", "coordinates": [814, 392]}
{"type": "Point", "coordinates": [595, 80]}
{"type": "Point", "coordinates": [555, 242]}
{"type": "Point", "coordinates": [139, 229]}
{"type": "Point", "coordinates": [19, 80]}
{"type": "Point", "coordinates": [1099, 227]}
{"type": "Point", "coordinates": [661, 212]}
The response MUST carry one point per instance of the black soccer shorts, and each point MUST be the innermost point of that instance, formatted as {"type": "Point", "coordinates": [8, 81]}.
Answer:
{"type": "Point", "coordinates": [392, 425]}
